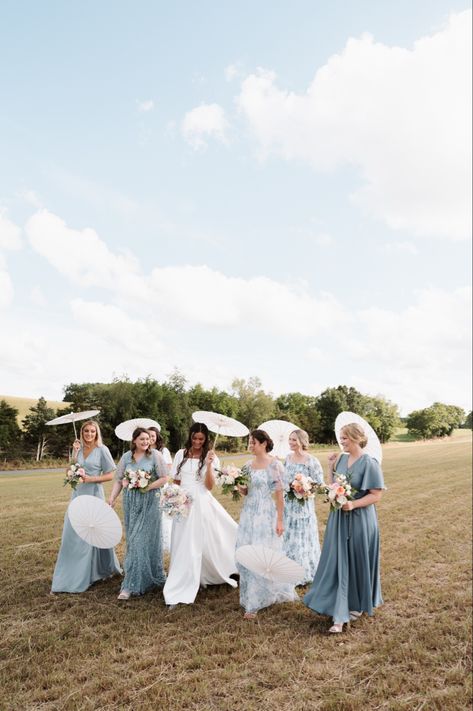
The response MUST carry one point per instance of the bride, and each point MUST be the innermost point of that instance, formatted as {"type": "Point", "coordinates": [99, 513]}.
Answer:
{"type": "Point", "coordinates": [203, 544]}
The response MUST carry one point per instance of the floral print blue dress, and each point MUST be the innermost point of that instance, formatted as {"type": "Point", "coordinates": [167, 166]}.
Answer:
{"type": "Point", "coordinates": [79, 564]}
{"type": "Point", "coordinates": [258, 527]}
{"type": "Point", "coordinates": [142, 516]}
{"type": "Point", "coordinates": [301, 535]}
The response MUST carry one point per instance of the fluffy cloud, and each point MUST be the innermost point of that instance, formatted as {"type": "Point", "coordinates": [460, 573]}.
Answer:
{"type": "Point", "coordinates": [401, 116]}
{"type": "Point", "coordinates": [145, 106]}
{"type": "Point", "coordinates": [203, 122]}
{"type": "Point", "coordinates": [10, 234]}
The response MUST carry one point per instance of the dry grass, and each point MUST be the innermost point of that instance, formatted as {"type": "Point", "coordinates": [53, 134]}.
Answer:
{"type": "Point", "coordinates": [23, 405]}
{"type": "Point", "coordinates": [90, 652]}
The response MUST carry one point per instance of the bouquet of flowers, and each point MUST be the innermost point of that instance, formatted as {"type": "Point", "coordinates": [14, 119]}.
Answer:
{"type": "Point", "coordinates": [136, 479]}
{"type": "Point", "coordinates": [175, 501]}
{"type": "Point", "coordinates": [229, 478]}
{"type": "Point", "coordinates": [338, 493]}
{"type": "Point", "coordinates": [302, 488]}
{"type": "Point", "coordinates": [74, 474]}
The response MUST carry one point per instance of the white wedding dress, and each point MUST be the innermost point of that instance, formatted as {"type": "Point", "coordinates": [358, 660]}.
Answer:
{"type": "Point", "coordinates": [203, 544]}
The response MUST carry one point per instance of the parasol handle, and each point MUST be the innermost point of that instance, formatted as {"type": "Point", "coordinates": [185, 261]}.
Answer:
{"type": "Point", "coordinates": [74, 425]}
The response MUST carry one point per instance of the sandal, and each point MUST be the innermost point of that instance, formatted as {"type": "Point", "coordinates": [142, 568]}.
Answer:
{"type": "Point", "coordinates": [336, 628]}
{"type": "Point", "coordinates": [124, 595]}
{"type": "Point", "coordinates": [249, 616]}
{"type": "Point", "coordinates": [354, 615]}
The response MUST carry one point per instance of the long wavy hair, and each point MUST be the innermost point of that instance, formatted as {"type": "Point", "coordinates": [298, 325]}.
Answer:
{"type": "Point", "coordinates": [98, 434]}
{"type": "Point", "coordinates": [197, 427]}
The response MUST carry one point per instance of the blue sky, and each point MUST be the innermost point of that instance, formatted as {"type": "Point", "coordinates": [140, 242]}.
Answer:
{"type": "Point", "coordinates": [266, 189]}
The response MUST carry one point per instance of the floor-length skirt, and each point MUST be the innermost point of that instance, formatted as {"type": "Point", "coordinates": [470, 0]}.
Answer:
{"type": "Point", "coordinates": [348, 576]}
{"type": "Point", "coordinates": [144, 550]}
{"type": "Point", "coordinates": [78, 563]}
{"type": "Point", "coordinates": [301, 537]}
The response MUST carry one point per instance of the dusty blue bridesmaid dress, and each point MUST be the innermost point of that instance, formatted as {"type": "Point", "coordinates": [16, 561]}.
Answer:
{"type": "Point", "coordinates": [143, 527]}
{"type": "Point", "coordinates": [301, 535]}
{"type": "Point", "coordinates": [347, 576]}
{"type": "Point", "coordinates": [79, 564]}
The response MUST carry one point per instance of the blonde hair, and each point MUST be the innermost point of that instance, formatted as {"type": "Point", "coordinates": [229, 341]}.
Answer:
{"type": "Point", "coordinates": [98, 434]}
{"type": "Point", "coordinates": [356, 433]}
{"type": "Point", "coordinates": [302, 437]}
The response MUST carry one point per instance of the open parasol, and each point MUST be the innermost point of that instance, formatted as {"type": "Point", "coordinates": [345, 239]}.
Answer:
{"type": "Point", "coordinates": [269, 563]}
{"type": "Point", "coordinates": [125, 429]}
{"type": "Point", "coordinates": [221, 424]}
{"type": "Point", "coordinates": [279, 431]}
{"type": "Point", "coordinates": [373, 448]}
{"type": "Point", "coordinates": [94, 521]}
{"type": "Point", "coordinates": [73, 417]}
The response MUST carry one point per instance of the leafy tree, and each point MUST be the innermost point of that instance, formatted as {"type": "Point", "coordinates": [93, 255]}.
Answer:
{"type": "Point", "coordinates": [438, 420]}
{"type": "Point", "coordinates": [36, 432]}
{"type": "Point", "coordinates": [10, 433]}
{"type": "Point", "coordinates": [468, 424]}
{"type": "Point", "coordinates": [254, 405]}
{"type": "Point", "coordinates": [331, 403]}
{"type": "Point", "coordinates": [301, 410]}
{"type": "Point", "coordinates": [382, 415]}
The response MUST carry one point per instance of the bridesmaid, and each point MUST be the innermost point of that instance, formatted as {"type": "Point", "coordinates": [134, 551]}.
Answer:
{"type": "Point", "coordinates": [347, 581]}
{"type": "Point", "coordinates": [79, 564]}
{"type": "Point", "coordinates": [261, 523]}
{"type": "Point", "coordinates": [301, 536]}
{"type": "Point", "coordinates": [144, 555]}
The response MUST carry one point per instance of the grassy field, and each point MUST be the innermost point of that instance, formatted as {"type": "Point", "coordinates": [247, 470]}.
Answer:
{"type": "Point", "coordinates": [91, 652]}
{"type": "Point", "coordinates": [23, 404]}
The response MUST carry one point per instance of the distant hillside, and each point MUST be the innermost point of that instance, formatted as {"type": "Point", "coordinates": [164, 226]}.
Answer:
{"type": "Point", "coordinates": [23, 404]}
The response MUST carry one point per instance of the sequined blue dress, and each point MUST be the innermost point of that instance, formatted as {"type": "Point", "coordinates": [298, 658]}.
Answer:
{"type": "Point", "coordinates": [301, 535]}
{"type": "Point", "coordinates": [347, 576]}
{"type": "Point", "coordinates": [78, 563]}
{"type": "Point", "coordinates": [142, 517]}
{"type": "Point", "coordinates": [258, 527]}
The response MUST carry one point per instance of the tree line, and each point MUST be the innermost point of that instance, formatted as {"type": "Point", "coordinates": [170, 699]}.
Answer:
{"type": "Point", "coordinates": [172, 402]}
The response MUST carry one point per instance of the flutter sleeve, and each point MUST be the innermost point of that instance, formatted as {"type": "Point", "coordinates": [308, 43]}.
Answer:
{"type": "Point", "coordinates": [372, 476]}
{"type": "Point", "coordinates": [315, 470]}
{"type": "Point", "coordinates": [276, 471]}
{"type": "Point", "coordinates": [166, 455]}
{"type": "Point", "coordinates": [160, 464]}
{"type": "Point", "coordinates": [122, 464]}
{"type": "Point", "coordinates": [106, 460]}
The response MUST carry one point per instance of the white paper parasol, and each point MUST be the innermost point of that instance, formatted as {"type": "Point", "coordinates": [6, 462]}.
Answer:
{"type": "Point", "coordinates": [373, 448]}
{"type": "Point", "coordinates": [95, 521]}
{"type": "Point", "coordinates": [270, 564]}
{"type": "Point", "coordinates": [279, 431]}
{"type": "Point", "coordinates": [221, 424]}
{"type": "Point", "coordinates": [125, 429]}
{"type": "Point", "coordinates": [73, 417]}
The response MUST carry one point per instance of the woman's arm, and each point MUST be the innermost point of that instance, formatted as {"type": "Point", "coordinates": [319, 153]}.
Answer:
{"type": "Point", "coordinates": [209, 479]}
{"type": "Point", "coordinates": [162, 471]}
{"type": "Point", "coordinates": [116, 489]}
{"type": "Point", "coordinates": [372, 498]}
{"type": "Point", "coordinates": [108, 476]}
{"type": "Point", "coordinates": [279, 499]}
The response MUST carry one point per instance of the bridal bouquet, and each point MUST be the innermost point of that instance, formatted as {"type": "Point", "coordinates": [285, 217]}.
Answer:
{"type": "Point", "coordinates": [338, 493]}
{"type": "Point", "coordinates": [302, 488]}
{"type": "Point", "coordinates": [136, 479]}
{"type": "Point", "coordinates": [229, 478]}
{"type": "Point", "coordinates": [174, 501]}
{"type": "Point", "coordinates": [74, 475]}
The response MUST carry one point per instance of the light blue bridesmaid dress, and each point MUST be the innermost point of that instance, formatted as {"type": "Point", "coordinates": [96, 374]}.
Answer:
{"type": "Point", "coordinates": [143, 530]}
{"type": "Point", "coordinates": [78, 563]}
{"type": "Point", "coordinates": [301, 535]}
{"type": "Point", "coordinates": [258, 527]}
{"type": "Point", "coordinates": [347, 576]}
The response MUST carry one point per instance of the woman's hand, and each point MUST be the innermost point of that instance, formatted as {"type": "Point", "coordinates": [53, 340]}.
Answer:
{"type": "Point", "coordinates": [76, 446]}
{"type": "Point", "coordinates": [348, 506]}
{"type": "Point", "coordinates": [209, 459]}
{"type": "Point", "coordinates": [242, 489]}
{"type": "Point", "coordinates": [86, 479]}
{"type": "Point", "coordinates": [279, 527]}
{"type": "Point", "coordinates": [111, 502]}
{"type": "Point", "coordinates": [331, 459]}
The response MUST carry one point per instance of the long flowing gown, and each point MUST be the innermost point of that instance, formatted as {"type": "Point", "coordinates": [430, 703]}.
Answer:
{"type": "Point", "coordinates": [142, 516]}
{"type": "Point", "coordinates": [78, 563]}
{"type": "Point", "coordinates": [203, 544]}
{"type": "Point", "coordinates": [301, 535]}
{"type": "Point", "coordinates": [347, 576]}
{"type": "Point", "coordinates": [166, 522]}
{"type": "Point", "coordinates": [258, 527]}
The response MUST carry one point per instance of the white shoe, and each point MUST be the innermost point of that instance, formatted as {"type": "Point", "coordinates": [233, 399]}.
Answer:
{"type": "Point", "coordinates": [124, 595]}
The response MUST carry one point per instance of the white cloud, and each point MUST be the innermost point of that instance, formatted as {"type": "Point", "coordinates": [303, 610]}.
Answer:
{"type": "Point", "coordinates": [6, 286]}
{"type": "Point", "coordinates": [203, 122]}
{"type": "Point", "coordinates": [31, 197]}
{"type": "Point", "coordinates": [401, 116]}
{"type": "Point", "coordinates": [93, 193]}
{"type": "Point", "coordinates": [10, 234]}
{"type": "Point", "coordinates": [232, 71]}
{"type": "Point", "coordinates": [400, 248]}
{"type": "Point", "coordinates": [37, 297]}
{"type": "Point", "coordinates": [145, 106]}
{"type": "Point", "coordinates": [323, 239]}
